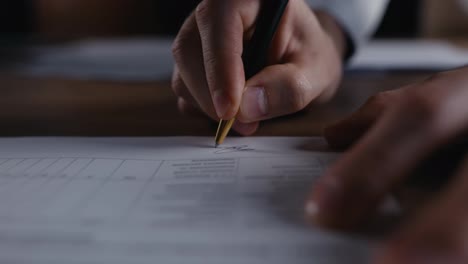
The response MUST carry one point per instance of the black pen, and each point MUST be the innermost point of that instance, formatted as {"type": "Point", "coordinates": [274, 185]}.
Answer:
{"type": "Point", "coordinates": [255, 53]}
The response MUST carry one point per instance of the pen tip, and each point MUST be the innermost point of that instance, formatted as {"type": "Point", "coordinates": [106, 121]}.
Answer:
{"type": "Point", "coordinates": [216, 145]}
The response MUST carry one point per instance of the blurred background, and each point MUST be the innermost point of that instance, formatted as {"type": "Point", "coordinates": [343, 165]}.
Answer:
{"type": "Point", "coordinates": [128, 40]}
{"type": "Point", "coordinates": [65, 19]}
{"type": "Point", "coordinates": [102, 67]}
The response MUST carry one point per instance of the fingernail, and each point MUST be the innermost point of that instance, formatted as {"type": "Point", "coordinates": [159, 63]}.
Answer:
{"type": "Point", "coordinates": [254, 103]}
{"type": "Point", "coordinates": [221, 103]}
{"type": "Point", "coordinates": [311, 209]}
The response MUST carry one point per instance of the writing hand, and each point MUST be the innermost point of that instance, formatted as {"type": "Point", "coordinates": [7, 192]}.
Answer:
{"type": "Point", "coordinates": [304, 62]}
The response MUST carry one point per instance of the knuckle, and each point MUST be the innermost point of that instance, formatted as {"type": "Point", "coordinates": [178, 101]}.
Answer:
{"type": "Point", "coordinates": [298, 90]}
{"type": "Point", "coordinates": [186, 41]}
{"type": "Point", "coordinates": [434, 78]}
{"type": "Point", "coordinates": [423, 112]}
{"type": "Point", "coordinates": [211, 64]}
{"type": "Point", "coordinates": [203, 10]}
{"type": "Point", "coordinates": [421, 106]}
{"type": "Point", "coordinates": [380, 100]}
{"type": "Point", "coordinates": [297, 100]}
{"type": "Point", "coordinates": [210, 58]}
{"type": "Point", "coordinates": [178, 49]}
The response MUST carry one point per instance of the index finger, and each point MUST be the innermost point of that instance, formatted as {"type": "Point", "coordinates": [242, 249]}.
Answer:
{"type": "Point", "coordinates": [364, 176]}
{"type": "Point", "coordinates": [222, 25]}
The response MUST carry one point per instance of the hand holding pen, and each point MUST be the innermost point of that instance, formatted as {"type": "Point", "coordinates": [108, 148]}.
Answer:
{"type": "Point", "coordinates": [304, 62]}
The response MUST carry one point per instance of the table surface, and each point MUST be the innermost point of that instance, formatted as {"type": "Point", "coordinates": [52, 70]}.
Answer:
{"type": "Point", "coordinates": [61, 107]}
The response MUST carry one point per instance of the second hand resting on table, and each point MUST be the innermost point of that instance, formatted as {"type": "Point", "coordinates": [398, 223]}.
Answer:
{"type": "Point", "coordinates": [390, 135]}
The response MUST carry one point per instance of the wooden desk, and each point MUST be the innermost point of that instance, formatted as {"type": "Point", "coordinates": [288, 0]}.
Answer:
{"type": "Point", "coordinates": [56, 107]}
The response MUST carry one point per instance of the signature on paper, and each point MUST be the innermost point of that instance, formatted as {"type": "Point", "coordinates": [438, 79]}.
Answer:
{"type": "Point", "coordinates": [241, 148]}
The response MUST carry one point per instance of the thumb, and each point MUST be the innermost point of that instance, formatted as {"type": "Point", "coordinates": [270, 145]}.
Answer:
{"type": "Point", "coordinates": [276, 91]}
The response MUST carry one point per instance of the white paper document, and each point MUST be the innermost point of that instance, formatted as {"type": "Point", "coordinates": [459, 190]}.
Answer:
{"type": "Point", "coordinates": [409, 55]}
{"type": "Point", "coordinates": [164, 200]}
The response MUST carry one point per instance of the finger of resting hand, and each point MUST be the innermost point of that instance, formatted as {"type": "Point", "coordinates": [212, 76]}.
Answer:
{"type": "Point", "coordinates": [358, 123]}
{"type": "Point", "coordinates": [358, 182]}
{"type": "Point", "coordinates": [222, 25]}
{"type": "Point", "coordinates": [439, 234]}
{"type": "Point", "coordinates": [187, 53]}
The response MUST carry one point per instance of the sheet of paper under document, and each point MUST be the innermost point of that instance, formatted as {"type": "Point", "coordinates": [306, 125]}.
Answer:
{"type": "Point", "coordinates": [165, 200]}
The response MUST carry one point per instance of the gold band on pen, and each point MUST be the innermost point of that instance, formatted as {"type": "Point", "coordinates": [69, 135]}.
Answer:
{"type": "Point", "coordinates": [223, 130]}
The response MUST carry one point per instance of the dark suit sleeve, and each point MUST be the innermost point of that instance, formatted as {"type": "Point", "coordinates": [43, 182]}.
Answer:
{"type": "Point", "coordinates": [173, 13]}
{"type": "Point", "coordinates": [17, 16]}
